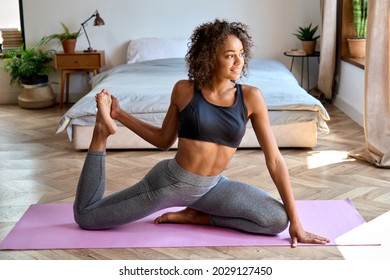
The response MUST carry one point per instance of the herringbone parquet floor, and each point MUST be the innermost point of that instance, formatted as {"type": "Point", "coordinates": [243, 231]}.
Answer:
{"type": "Point", "coordinates": [37, 166]}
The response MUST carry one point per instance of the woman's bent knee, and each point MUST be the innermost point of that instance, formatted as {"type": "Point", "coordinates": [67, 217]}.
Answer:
{"type": "Point", "coordinates": [280, 221]}
{"type": "Point", "coordinates": [85, 221]}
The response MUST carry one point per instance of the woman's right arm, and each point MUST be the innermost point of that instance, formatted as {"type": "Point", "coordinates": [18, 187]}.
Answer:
{"type": "Point", "coordinates": [162, 137]}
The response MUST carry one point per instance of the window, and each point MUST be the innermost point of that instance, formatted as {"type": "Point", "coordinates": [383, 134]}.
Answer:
{"type": "Point", "coordinates": [11, 17]}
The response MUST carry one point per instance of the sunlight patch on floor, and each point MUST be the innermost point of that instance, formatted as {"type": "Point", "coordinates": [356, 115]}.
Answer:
{"type": "Point", "coordinates": [318, 159]}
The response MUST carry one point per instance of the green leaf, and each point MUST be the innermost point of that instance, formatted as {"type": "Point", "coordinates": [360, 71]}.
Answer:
{"type": "Point", "coordinates": [307, 33]}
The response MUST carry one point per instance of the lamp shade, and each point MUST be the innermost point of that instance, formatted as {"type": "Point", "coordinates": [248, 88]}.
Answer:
{"type": "Point", "coordinates": [98, 20]}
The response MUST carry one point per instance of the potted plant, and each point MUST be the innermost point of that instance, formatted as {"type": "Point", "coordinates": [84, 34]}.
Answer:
{"type": "Point", "coordinates": [357, 44]}
{"type": "Point", "coordinates": [29, 68]}
{"type": "Point", "coordinates": [307, 34]}
{"type": "Point", "coordinates": [67, 38]}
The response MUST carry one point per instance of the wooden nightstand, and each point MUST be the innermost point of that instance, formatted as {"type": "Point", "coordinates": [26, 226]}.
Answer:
{"type": "Point", "coordinates": [77, 62]}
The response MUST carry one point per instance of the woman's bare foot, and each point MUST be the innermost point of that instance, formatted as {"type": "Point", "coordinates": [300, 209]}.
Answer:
{"type": "Point", "coordinates": [104, 122]}
{"type": "Point", "coordinates": [105, 125]}
{"type": "Point", "coordinates": [185, 216]}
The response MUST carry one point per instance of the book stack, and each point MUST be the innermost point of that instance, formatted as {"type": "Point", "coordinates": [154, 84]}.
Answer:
{"type": "Point", "coordinates": [12, 39]}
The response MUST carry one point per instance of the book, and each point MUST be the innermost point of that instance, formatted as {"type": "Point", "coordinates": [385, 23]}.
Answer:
{"type": "Point", "coordinates": [296, 52]}
{"type": "Point", "coordinates": [8, 33]}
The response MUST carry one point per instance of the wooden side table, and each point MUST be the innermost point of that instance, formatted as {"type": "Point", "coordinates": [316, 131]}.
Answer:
{"type": "Point", "coordinates": [303, 56]}
{"type": "Point", "coordinates": [77, 62]}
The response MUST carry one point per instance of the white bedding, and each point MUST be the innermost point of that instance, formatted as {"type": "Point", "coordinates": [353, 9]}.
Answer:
{"type": "Point", "coordinates": [143, 89]}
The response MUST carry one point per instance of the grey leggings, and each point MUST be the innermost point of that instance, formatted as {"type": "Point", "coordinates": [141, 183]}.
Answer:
{"type": "Point", "coordinates": [229, 204]}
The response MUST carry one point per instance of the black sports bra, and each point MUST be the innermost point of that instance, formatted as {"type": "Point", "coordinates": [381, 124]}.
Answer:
{"type": "Point", "coordinates": [202, 120]}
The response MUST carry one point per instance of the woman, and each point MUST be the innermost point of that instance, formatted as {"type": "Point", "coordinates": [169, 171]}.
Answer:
{"type": "Point", "coordinates": [207, 114]}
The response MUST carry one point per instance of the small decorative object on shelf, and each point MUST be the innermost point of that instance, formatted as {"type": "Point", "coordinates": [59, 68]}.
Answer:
{"type": "Point", "coordinates": [296, 52]}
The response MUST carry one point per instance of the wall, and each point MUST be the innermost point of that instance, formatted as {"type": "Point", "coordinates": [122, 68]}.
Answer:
{"type": "Point", "coordinates": [350, 94]}
{"type": "Point", "coordinates": [8, 93]}
{"type": "Point", "coordinates": [271, 23]}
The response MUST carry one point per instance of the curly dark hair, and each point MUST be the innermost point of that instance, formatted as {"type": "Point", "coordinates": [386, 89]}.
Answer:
{"type": "Point", "coordinates": [206, 38]}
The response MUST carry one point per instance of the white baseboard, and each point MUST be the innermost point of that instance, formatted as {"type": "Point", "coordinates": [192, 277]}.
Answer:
{"type": "Point", "coordinates": [351, 112]}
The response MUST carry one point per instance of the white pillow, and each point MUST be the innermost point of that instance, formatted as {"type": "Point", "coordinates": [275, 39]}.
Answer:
{"type": "Point", "coordinates": [144, 49]}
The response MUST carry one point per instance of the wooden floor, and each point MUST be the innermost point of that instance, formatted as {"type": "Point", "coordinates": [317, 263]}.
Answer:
{"type": "Point", "coordinates": [37, 166]}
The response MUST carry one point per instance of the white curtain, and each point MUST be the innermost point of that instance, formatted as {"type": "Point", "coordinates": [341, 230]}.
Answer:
{"type": "Point", "coordinates": [377, 87]}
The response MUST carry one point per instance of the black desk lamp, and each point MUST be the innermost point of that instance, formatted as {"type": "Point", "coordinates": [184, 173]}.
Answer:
{"type": "Point", "coordinates": [97, 22]}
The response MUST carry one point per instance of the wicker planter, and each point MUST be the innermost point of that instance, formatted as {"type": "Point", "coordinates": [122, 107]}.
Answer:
{"type": "Point", "coordinates": [36, 96]}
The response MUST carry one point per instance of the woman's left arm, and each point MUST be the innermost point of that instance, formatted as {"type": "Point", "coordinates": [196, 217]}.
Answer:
{"type": "Point", "coordinates": [258, 114]}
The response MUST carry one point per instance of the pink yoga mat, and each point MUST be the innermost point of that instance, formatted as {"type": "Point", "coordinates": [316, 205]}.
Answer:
{"type": "Point", "coordinates": [51, 226]}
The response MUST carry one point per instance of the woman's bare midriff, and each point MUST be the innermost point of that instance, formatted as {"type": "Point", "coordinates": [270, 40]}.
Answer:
{"type": "Point", "coordinates": [203, 158]}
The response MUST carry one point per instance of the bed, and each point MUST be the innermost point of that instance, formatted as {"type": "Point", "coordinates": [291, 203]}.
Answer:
{"type": "Point", "coordinates": [143, 86]}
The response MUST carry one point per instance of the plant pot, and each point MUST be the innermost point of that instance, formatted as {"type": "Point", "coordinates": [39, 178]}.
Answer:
{"type": "Point", "coordinates": [357, 48]}
{"type": "Point", "coordinates": [69, 45]}
{"type": "Point", "coordinates": [309, 46]}
{"type": "Point", "coordinates": [36, 96]}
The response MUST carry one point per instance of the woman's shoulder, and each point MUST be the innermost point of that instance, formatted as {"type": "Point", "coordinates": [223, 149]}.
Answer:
{"type": "Point", "coordinates": [253, 97]}
{"type": "Point", "coordinates": [249, 91]}
{"type": "Point", "coordinates": [182, 93]}
{"type": "Point", "coordinates": [183, 84]}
